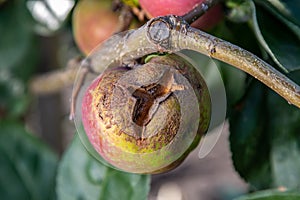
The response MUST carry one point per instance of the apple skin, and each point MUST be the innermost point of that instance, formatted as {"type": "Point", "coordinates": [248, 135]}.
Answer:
{"type": "Point", "coordinates": [158, 153]}
{"type": "Point", "coordinates": [93, 22]}
{"type": "Point", "coordinates": [155, 8]}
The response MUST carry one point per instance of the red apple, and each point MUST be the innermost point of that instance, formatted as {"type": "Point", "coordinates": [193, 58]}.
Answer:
{"type": "Point", "coordinates": [93, 22]}
{"type": "Point", "coordinates": [155, 8]}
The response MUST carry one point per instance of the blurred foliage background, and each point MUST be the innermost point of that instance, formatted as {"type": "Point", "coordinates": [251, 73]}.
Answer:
{"type": "Point", "coordinates": [36, 38]}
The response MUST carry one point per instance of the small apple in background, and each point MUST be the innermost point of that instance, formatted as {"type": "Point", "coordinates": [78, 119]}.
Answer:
{"type": "Point", "coordinates": [93, 22]}
{"type": "Point", "coordinates": [155, 8]}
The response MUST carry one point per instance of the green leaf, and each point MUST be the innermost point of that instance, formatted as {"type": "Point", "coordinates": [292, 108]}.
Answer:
{"type": "Point", "coordinates": [284, 129]}
{"type": "Point", "coordinates": [15, 34]}
{"type": "Point", "coordinates": [287, 8]}
{"type": "Point", "coordinates": [282, 12]}
{"type": "Point", "coordinates": [277, 39]}
{"type": "Point", "coordinates": [80, 176]}
{"type": "Point", "coordinates": [249, 145]}
{"type": "Point", "coordinates": [239, 11]}
{"type": "Point", "coordinates": [265, 139]}
{"type": "Point", "coordinates": [27, 166]}
{"type": "Point", "coordinates": [18, 58]}
{"type": "Point", "coordinates": [271, 195]}
{"type": "Point", "coordinates": [13, 98]}
{"type": "Point", "coordinates": [17, 45]}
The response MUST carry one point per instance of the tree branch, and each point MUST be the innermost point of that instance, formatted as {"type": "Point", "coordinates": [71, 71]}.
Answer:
{"type": "Point", "coordinates": [56, 80]}
{"type": "Point", "coordinates": [199, 10]}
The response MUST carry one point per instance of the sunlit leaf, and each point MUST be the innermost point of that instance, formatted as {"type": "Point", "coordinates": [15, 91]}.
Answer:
{"type": "Point", "coordinates": [49, 15]}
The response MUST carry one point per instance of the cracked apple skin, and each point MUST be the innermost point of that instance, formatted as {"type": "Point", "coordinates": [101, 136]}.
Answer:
{"type": "Point", "coordinates": [147, 119]}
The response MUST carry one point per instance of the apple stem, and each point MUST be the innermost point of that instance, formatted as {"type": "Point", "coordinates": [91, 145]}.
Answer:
{"type": "Point", "coordinates": [199, 10]}
{"type": "Point", "coordinates": [125, 19]}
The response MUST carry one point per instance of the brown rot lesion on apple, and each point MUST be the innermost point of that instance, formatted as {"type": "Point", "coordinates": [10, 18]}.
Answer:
{"type": "Point", "coordinates": [150, 114]}
{"type": "Point", "coordinates": [149, 97]}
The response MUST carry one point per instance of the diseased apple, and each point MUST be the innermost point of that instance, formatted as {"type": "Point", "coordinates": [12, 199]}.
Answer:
{"type": "Point", "coordinates": [147, 119]}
